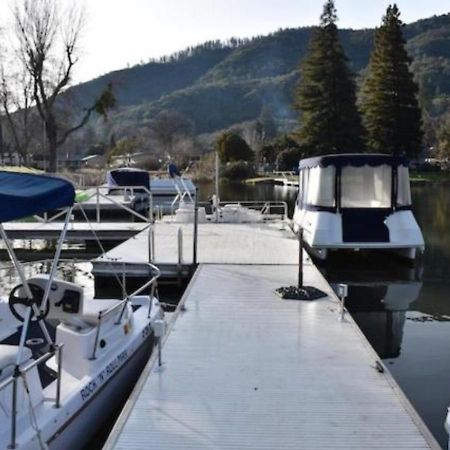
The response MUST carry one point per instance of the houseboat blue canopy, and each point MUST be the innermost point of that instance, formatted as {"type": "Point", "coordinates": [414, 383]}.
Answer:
{"type": "Point", "coordinates": [354, 160]}
{"type": "Point", "coordinates": [127, 176]}
{"type": "Point", "coordinates": [25, 194]}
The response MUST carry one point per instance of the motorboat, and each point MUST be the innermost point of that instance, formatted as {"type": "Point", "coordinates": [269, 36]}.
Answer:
{"type": "Point", "coordinates": [66, 359]}
{"type": "Point", "coordinates": [167, 193]}
{"type": "Point", "coordinates": [356, 201]}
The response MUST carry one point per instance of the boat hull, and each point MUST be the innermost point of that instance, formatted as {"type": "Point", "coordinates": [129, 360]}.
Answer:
{"type": "Point", "coordinates": [87, 422]}
{"type": "Point", "coordinates": [323, 232]}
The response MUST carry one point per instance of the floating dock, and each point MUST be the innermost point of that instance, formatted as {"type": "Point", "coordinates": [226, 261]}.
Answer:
{"type": "Point", "coordinates": [115, 231]}
{"type": "Point", "coordinates": [218, 243]}
{"type": "Point", "coordinates": [243, 369]}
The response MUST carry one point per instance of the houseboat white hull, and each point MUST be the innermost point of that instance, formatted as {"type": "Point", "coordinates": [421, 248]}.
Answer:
{"type": "Point", "coordinates": [323, 232]}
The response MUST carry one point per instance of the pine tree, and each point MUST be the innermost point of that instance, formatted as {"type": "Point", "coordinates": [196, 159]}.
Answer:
{"type": "Point", "coordinates": [389, 105]}
{"type": "Point", "coordinates": [325, 95]}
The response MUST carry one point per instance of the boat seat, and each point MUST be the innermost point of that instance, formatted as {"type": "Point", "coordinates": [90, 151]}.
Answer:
{"type": "Point", "coordinates": [92, 308]}
{"type": "Point", "coordinates": [8, 355]}
{"type": "Point", "coordinates": [68, 305]}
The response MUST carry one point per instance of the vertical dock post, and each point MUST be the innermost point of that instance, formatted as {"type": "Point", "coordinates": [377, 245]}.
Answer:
{"type": "Point", "coordinates": [300, 257]}
{"type": "Point", "coordinates": [98, 205]}
{"type": "Point", "coordinates": [194, 257]}
{"type": "Point", "coordinates": [150, 208]}
{"type": "Point", "coordinates": [151, 244]}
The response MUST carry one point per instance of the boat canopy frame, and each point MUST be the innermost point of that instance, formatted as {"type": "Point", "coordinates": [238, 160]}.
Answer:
{"type": "Point", "coordinates": [341, 161]}
{"type": "Point", "coordinates": [23, 195]}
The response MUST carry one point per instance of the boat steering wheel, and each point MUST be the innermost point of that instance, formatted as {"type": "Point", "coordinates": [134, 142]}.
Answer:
{"type": "Point", "coordinates": [18, 304]}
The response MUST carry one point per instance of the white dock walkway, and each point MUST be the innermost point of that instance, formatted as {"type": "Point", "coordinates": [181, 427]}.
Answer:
{"type": "Point", "coordinates": [243, 369]}
{"type": "Point", "coordinates": [217, 244]}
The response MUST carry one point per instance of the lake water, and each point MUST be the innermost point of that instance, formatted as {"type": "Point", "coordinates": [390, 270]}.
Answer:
{"type": "Point", "coordinates": [404, 311]}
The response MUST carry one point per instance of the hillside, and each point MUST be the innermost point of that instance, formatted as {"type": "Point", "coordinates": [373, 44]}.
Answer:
{"type": "Point", "coordinates": [217, 85]}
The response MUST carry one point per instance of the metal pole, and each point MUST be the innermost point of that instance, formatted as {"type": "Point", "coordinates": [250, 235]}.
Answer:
{"type": "Point", "coordinates": [217, 188]}
{"type": "Point", "coordinates": [56, 259]}
{"type": "Point", "coordinates": [98, 205]}
{"type": "Point", "coordinates": [14, 410]}
{"type": "Point", "coordinates": [300, 257]}
{"type": "Point", "coordinates": [124, 281]}
{"type": "Point", "coordinates": [194, 258]}
{"type": "Point", "coordinates": [180, 245]}
{"type": "Point", "coordinates": [58, 380]}
{"type": "Point", "coordinates": [150, 208]}
{"type": "Point", "coordinates": [159, 352]}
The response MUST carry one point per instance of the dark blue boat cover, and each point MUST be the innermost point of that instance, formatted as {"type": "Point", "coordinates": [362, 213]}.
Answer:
{"type": "Point", "coordinates": [354, 160]}
{"type": "Point", "coordinates": [128, 177]}
{"type": "Point", "coordinates": [25, 194]}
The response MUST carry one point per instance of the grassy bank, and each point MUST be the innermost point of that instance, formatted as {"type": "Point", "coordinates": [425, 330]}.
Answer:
{"type": "Point", "coordinates": [429, 177]}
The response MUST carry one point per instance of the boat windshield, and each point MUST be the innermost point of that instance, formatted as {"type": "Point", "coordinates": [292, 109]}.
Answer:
{"type": "Point", "coordinates": [366, 187]}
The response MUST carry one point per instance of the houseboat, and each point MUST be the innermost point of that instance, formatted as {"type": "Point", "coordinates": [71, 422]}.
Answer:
{"type": "Point", "coordinates": [355, 202]}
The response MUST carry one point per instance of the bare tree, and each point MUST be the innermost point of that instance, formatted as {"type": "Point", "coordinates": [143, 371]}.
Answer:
{"type": "Point", "coordinates": [48, 49]}
{"type": "Point", "coordinates": [16, 101]}
{"type": "Point", "coordinates": [168, 127]}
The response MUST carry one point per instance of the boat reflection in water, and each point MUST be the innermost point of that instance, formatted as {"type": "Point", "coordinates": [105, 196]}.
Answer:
{"type": "Point", "coordinates": [380, 309]}
{"type": "Point", "coordinates": [380, 293]}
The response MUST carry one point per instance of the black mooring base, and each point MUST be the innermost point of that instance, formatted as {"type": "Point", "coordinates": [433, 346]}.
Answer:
{"type": "Point", "coordinates": [307, 293]}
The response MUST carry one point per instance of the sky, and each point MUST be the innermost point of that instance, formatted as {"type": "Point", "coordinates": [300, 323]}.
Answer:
{"type": "Point", "coordinates": [119, 33]}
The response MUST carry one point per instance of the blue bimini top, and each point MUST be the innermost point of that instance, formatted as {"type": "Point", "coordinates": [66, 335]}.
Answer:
{"type": "Point", "coordinates": [25, 194]}
{"type": "Point", "coordinates": [127, 176]}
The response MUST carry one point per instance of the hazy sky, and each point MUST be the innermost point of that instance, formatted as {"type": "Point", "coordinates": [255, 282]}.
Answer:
{"type": "Point", "coordinates": [120, 32]}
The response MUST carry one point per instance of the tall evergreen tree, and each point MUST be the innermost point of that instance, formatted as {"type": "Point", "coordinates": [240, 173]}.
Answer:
{"type": "Point", "coordinates": [325, 95]}
{"type": "Point", "coordinates": [389, 105]}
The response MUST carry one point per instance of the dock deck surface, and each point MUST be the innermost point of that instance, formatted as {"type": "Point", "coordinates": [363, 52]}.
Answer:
{"type": "Point", "coordinates": [218, 243]}
{"type": "Point", "coordinates": [243, 369]}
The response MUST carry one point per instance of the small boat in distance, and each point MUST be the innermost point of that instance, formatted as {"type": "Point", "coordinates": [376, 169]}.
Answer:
{"type": "Point", "coordinates": [356, 201]}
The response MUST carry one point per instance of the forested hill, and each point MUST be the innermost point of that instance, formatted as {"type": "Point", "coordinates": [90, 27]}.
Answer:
{"type": "Point", "coordinates": [217, 85]}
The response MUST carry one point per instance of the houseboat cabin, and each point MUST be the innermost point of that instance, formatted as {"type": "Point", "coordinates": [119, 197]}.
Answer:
{"type": "Point", "coordinates": [356, 201]}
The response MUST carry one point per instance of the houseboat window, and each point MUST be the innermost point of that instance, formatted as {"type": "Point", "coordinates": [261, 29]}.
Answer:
{"type": "Point", "coordinates": [366, 187]}
{"type": "Point", "coordinates": [403, 189]}
{"type": "Point", "coordinates": [321, 186]}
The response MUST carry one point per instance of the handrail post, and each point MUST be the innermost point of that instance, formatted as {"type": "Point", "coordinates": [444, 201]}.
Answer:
{"type": "Point", "coordinates": [97, 335]}
{"type": "Point", "coordinates": [58, 380]}
{"type": "Point", "coordinates": [150, 208]}
{"type": "Point", "coordinates": [180, 245]}
{"type": "Point", "coordinates": [124, 281]}
{"type": "Point", "coordinates": [98, 204]}
{"type": "Point", "coordinates": [14, 410]}
{"type": "Point", "coordinates": [194, 258]}
{"type": "Point", "coordinates": [151, 244]}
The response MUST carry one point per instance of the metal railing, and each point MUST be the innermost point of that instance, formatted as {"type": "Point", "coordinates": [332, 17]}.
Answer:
{"type": "Point", "coordinates": [102, 314]}
{"type": "Point", "coordinates": [270, 210]}
{"type": "Point", "coordinates": [56, 351]}
{"type": "Point", "coordinates": [96, 192]}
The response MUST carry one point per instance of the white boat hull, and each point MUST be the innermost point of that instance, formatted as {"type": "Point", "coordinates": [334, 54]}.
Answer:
{"type": "Point", "coordinates": [87, 422]}
{"type": "Point", "coordinates": [322, 232]}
